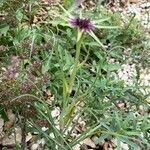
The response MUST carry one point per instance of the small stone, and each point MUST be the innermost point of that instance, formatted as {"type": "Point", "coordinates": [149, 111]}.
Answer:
{"type": "Point", "coordinates": [141, 109]}
{"type": "Point", "coordinates": [41, 141]}
{"type": "Point", "coordinates": [44, 128]}
{"type": "Point", "coordinates": [12, 139]}
{"type": "Point", "coordinates": [35, 146]}
{"type": "Point", "coordinates": [148, 100]}
{"type": "Point", "coordinates": [55, 112]}
{"type": "Point", "coordinates": [28, 137]}
{"type": "Point", "coordinates": [52, 135]}
{"type": "Point", "coordinates": [89, 142]}
{"type": "Point", "coordinates": [124, 146]}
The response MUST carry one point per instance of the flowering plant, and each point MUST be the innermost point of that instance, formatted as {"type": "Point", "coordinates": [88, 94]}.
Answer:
{"type": "Point", "coordinates": [84, 26]}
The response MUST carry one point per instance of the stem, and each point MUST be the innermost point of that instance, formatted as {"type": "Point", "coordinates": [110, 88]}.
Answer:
{"type": "Point", "coordinates": [74, 72]}
{"type": "Point", "coordinates": [23, 128]}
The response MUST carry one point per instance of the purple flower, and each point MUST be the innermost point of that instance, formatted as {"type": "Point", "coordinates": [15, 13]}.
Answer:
{"type": "Point", "coordinates": [85, 25]}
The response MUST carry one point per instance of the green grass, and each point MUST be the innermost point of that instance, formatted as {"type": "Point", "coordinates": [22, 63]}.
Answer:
{"type": "Point", "coordinates": [47, 56]}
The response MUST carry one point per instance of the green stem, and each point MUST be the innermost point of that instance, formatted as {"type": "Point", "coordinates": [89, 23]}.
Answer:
{"type": "Point", "coordinates": [75, 68]}
{"type": "Point", "coordinates": [69, 88]}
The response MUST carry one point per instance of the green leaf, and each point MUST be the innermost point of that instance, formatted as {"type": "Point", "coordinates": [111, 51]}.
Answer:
{"type": "Point", "coordinates": [96, 39]}
{"type": "Point", "coordinates": [19, 15]}
{"type": "Point", "coordinates": [118, 143]}
{"type": "Point", "coordinates": [132, 133]}
{"type": "Point", "coordinates": [4, 29]}
{"type": "Point", "coordinates": [145, 125]}
{"type": "Point", "coordinates": [101, 20]}
{"type": "Point", "coordinates": [67, 3]}
{"type": "Point", "coordinates": [59, 22]}
{"type": "Point", "coordinates": [101, 138]}
{"type": "Point", "coordinates": [47, 64]}
{"type": "Point", "coordinates": [65, 11]}
{"type": "Point", "coordinates": [1, 3]}
{"type": "Point", "coordinates": [129, 142]}
{"type": "Point", "coordinates": [106, 27]}
{"type": "Point", "coordinates": [112, 67]}
{"type": "Point", "coordinates": [21, 34]}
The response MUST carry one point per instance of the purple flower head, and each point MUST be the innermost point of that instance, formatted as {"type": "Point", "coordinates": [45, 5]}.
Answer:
{"type": "Point", "coordinates": [85, 25]}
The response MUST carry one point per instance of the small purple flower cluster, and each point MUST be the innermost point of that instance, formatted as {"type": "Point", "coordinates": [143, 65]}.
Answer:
{"type": "Point", "coordinates": [85, 25]}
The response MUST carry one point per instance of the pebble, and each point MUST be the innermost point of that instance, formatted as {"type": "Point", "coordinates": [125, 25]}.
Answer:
{"type": "Point", "coordinates": [44, 128]}
{"type": "Point", "coordinates": [124, 146]}
{"type": "Point", "coordinates": [11, 140]}
{"type": "Point", "coordinates": [127, 73]}
{"type": "Point", "coordinates": [76, 147]}
{"type": "Point", "coordinates": [35, 146]}
{"type": "Point", "coordinates": [55, 112]}
{"type": "Point", "coordinates": [41, 142]}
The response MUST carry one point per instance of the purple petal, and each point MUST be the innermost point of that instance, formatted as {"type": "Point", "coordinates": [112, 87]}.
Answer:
{"type": "Point", "coordinates": [85, 25]}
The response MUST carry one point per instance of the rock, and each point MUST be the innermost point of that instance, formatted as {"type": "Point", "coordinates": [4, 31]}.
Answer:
{"type": "Point", "coordinates": [148, 100]}
{"type": "Point", "coordinates": [55, 112]}
{"type": "Point", "coordinates": [28, 137]}
{"type": "Point", "coordinates": [124, 146]}
{"type": "Point", "coordinates": [10, 140]}
{"type": "Point", "coordinates": [35, 146]}
{"type": "Point", "coordinates": [41, 142]}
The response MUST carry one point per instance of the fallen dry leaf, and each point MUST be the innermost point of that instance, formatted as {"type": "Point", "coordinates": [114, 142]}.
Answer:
{"type": "Point", "coordinates": [48, 96]}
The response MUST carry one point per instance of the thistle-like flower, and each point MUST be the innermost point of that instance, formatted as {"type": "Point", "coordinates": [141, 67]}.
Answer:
{"type": "Point", "coordinates": [85, 25]}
